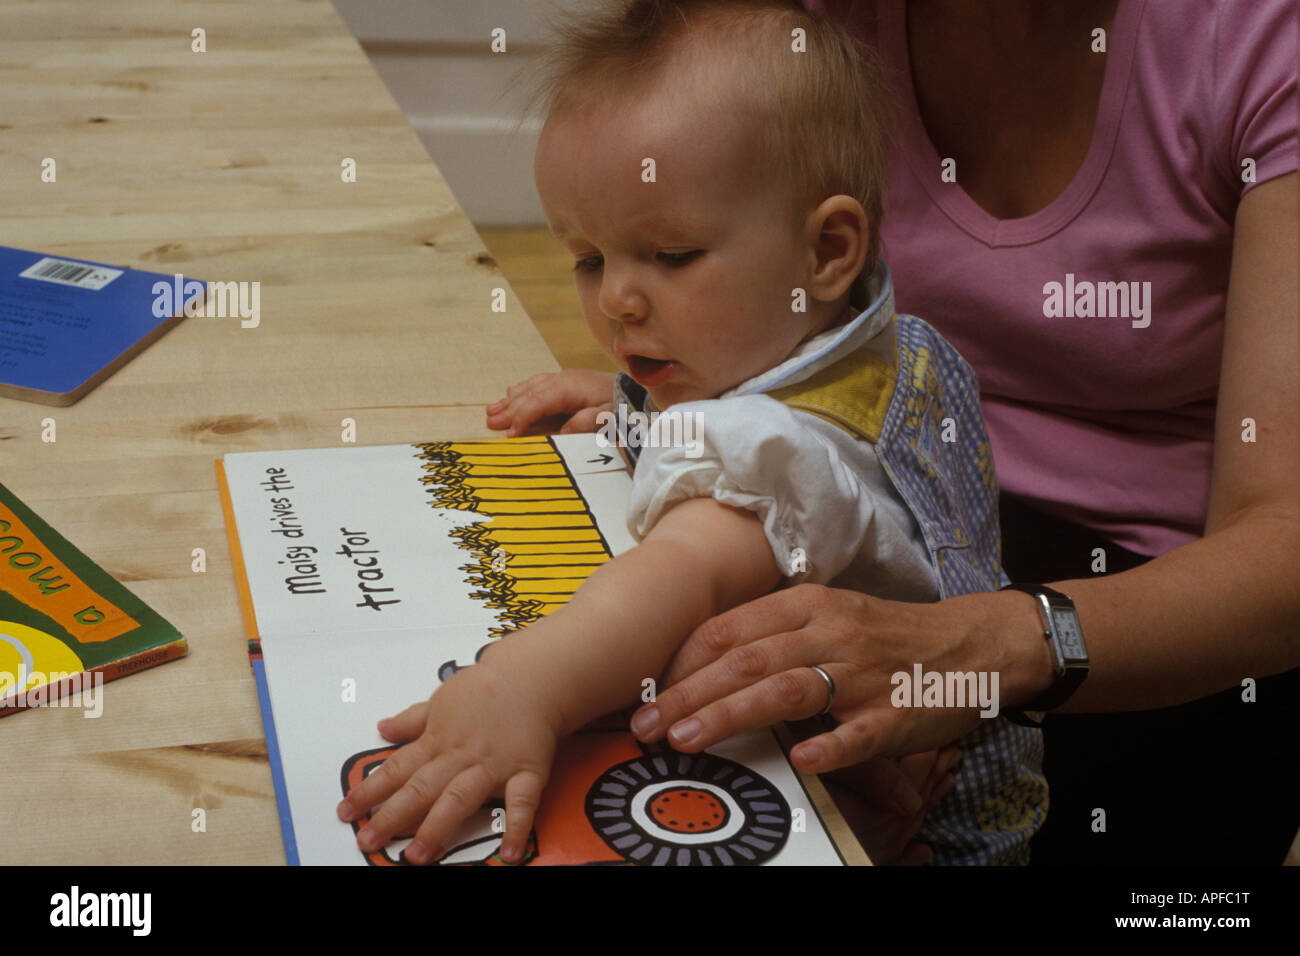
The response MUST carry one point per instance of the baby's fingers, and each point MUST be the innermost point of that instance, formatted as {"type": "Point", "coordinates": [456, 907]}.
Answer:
{"type": "Point", "coordinates": [407, 725]}
{"type": "Point", "coordinates": [515, 391]}
{"type": "Point", "coordinates": [520, 408]}
{"type": "Point", "coordinates": [501, 413]}
{"type": "Point", "coordinates": [460, 799]}
{"type": "Point", "coordinates": [523, 794]}
{"type": "Point", "coordinates": [403, 809]}
{"type": "Point", "coordinates": [386, 779]}
{"type": "Point", "coordinates": [533, 404]}
{"type": "Point", "coordinates": [585, 420]}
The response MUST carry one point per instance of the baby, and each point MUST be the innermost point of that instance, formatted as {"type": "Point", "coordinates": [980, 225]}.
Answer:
{"type": "Point", "coordinates": [715, 169]}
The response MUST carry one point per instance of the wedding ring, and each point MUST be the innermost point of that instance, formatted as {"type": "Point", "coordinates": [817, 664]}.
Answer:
{"type": "Point", "coordinates": [830, 690]}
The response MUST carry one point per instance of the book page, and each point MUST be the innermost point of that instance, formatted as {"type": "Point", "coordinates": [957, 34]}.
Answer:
{"type": "Point", "coordinates": [376, 573]}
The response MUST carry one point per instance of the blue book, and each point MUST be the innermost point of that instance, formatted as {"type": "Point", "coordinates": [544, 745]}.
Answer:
{"type": "Point", "coordinates": [67, 324]}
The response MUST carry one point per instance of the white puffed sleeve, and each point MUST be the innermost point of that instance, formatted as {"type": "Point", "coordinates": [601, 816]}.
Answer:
{"type": "Point", "coordinates": [827, 508]}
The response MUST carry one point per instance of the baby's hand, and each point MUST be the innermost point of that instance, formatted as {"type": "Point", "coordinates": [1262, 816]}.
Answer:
{"type": "Point", "coordinates": [479, 735]}
{"type": "Point", "coordinates": [571, 399]}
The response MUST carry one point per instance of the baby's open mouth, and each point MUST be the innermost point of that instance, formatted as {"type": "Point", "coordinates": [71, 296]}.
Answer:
{"type": "Point", "coordinates": [650, 371]}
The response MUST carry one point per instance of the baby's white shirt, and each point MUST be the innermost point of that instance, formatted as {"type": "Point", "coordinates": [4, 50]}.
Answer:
{"type": "Point", "coordinates": [814, 486]}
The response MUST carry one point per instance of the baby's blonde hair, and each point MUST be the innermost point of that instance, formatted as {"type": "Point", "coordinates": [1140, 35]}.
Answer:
{"type": "Point", "coordinates": [828, 116]}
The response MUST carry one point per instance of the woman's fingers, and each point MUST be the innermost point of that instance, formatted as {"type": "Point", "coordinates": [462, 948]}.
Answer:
{"type": "Point", "coordinates": [889, 784]}
{"type": "Point", "coordinates": [859, 739]}
{"type": "Point", "coordinates": [752, 667]}
{"type": "Point", "coordinates": [907, 789]}
{"type": "Point", "coordinates": [863, 794]}
{"type": "Point", "coordinates": [922, 773]}
{"type": "Point", "coordinates": [911, 784]}
{"type": "Point", "coordinates": [786, 695]}
{"type": "Point", "coordinates": [945, 768]}
{"type": "Point", "coordinates": [945, 788]}
{"type": "Point", "coordinates": [751, 686]}
{"type": "Point", "coordinates": [775, 613]}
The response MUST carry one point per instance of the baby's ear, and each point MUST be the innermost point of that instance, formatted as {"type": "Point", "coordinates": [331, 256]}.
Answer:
{"type": "Point", "coordinates": [841, 247]}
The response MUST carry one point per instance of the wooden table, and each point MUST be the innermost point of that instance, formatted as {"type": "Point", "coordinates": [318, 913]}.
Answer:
{"type": "Point", "coordinates": [376, 306]}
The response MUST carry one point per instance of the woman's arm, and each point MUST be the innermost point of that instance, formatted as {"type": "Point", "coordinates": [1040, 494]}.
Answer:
{"type": "Point", "coordinates": [1227, 606]}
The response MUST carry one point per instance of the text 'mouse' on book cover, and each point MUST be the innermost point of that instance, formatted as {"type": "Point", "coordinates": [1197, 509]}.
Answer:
{"type": "Point", "coordinates": [62, 616]}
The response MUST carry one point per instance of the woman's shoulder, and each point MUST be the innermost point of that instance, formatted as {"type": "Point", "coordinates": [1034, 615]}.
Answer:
{"type": "Point", "coordinates": [1218, 39]}
{"type": "Point", "coordinates": [1227, 70]}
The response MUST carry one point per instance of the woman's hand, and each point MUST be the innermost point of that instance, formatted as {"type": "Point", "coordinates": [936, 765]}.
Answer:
{"type": "Point", "coordinates": [477, 736]}
{"type": "Point", "coordinates": [752, 666]}
{"type": "Point", "coordinates": [567, 401]}
{"type": "Point", "coordinates": [884, 801]}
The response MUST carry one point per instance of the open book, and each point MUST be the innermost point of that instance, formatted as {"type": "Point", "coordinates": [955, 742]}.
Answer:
{"type": "Point", "coordinates": [368, 575]}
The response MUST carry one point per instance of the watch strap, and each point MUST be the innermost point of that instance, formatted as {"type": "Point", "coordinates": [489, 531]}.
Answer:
{"type": "Point", "coordinates": [1071, 665]}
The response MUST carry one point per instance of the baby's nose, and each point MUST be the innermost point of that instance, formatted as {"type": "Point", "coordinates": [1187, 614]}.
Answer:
{"type": "Point", "coordinates": [622, 302]}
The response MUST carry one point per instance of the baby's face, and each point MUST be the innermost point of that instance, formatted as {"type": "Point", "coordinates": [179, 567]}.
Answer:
{"type": "Point", "coordinates": [686, 281]}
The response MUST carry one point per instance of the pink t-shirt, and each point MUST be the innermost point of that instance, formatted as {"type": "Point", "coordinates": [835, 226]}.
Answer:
{"type": "Point", "coordinates": [1106, 421]}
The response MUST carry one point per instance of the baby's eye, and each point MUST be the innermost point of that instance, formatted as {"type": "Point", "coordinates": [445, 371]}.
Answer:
{"type": "Point", "coordinates": [589, 264]}
{"type": "Point", "coordinates": [680, 258]}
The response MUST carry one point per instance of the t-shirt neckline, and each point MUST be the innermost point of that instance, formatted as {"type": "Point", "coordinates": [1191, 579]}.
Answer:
{"type": "Point", "coordinates": [923, 159]}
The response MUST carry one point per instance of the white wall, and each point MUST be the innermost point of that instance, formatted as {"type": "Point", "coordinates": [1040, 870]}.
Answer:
{"type": "Point", "coordinates": [435, 57]}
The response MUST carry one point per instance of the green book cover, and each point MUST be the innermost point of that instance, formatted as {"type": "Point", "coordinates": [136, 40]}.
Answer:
{"type": "Point", "coordinates": [64, 622]}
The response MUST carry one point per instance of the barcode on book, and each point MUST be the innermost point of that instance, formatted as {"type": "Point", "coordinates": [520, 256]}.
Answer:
{"type": "Point", "coordinates": [66, 272]}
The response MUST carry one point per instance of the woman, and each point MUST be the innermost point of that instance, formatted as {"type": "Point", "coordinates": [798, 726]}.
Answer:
{"type": "Point", "coordinates": [1096, 203]}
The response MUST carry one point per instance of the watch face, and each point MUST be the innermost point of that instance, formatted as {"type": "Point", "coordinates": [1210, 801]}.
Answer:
{"type": "Point", "coordinates": [1066, 625]}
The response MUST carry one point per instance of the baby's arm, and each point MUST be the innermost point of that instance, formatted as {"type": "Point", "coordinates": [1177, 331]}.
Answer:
{"type": "Point", "coordinates": [492, 727]}
{"type": "Point", "coordinates": [625, 622]}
